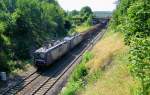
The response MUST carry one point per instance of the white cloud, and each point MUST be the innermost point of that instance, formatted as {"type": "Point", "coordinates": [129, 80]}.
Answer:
{"type": "Point", "coordinates": [96, 5]}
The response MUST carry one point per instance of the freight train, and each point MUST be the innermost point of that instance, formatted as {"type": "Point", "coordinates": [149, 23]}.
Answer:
{"type": "Point", "coordinates": [46, 55]}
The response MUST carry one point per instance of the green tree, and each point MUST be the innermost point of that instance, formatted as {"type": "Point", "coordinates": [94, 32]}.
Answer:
{"type": "Point", "coordinates": [25, 25]}
{"type": "Point", "coordinates": [86, 12]}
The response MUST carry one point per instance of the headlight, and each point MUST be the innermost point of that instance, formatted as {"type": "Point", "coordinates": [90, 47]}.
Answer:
{"type": "Point", "coordinates": [42, 55]}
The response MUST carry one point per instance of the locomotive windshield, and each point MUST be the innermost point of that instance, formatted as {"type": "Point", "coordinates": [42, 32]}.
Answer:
{"type": "Point", "coordinates": [39, 55]}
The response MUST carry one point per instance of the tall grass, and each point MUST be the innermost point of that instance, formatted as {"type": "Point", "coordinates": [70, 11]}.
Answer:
{"type": "Point", "coordinates": [104, 50]}
{"type": "Point", "coordinates": [76, 80]}
{"type": "Point", "coordinates": [116, 78]}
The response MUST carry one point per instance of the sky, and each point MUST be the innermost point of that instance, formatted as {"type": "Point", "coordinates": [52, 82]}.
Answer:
{"type": "Point", "coordinates": [96, 5]}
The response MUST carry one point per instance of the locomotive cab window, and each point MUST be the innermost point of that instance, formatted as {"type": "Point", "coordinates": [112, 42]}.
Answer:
{"type": "Point", "coordinates": [39, 56]}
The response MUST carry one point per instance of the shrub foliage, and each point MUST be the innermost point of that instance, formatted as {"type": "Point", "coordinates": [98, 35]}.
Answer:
{"type": "Point", "coordinates": [132, 17]}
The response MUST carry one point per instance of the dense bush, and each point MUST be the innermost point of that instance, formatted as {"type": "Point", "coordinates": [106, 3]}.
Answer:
{"type": "Point", "coordinates": [76, 79]}
{"type": "Point", "coordinates": [133, 18]}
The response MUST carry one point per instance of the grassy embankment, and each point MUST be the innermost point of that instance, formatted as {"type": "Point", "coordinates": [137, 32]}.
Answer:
{"type": "Point", "coordinates": [80, 28]}
{"type": "Point", "coordinates": [95, 77]}
{"type": "Point", "coordinates": [83, 27]}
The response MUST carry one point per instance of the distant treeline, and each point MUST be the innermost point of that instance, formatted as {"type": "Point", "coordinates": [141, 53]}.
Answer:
{"type": "Point", "coordinates": [85, 15]}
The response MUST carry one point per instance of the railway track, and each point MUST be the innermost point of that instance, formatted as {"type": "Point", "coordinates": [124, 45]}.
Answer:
{"type": "Point", "coordinates": [26, 81]}
{"type": "Point", "coordinates": [41, 83]}
{"type": "Point", "coordinates": [72, 65]}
